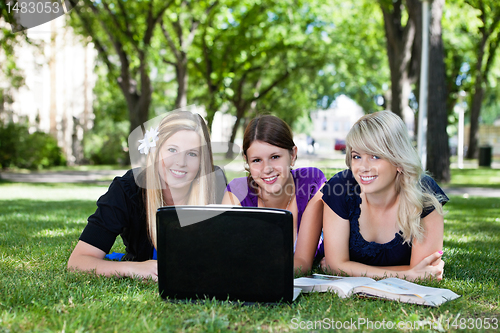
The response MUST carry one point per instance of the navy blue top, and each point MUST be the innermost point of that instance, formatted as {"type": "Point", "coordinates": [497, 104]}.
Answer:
{"type": "Point", "coordinates": [342, 194]}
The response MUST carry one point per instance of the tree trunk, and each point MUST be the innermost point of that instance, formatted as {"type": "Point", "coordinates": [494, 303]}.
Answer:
{"type": "Point", "coordinates": [438, 152]}
{"type": "Point", "coordinates": [211, 109]}
{"type": "Point", "coordinates": [181, 71]}
{"type": "Point", "coordinates": [2, 104]}
{"type": "Point", "coordinates": [415, 14]}
{"type": "Point", "coordinates": [240, 112]}
{"type": "Point", "coordinates": [399, 50]}
{"type": "Point", "coordinates": [486, 52]}
{"type": "Point", "coordinates": [138, 102]}
{"type": "Point", "coordinates": [477, 100]}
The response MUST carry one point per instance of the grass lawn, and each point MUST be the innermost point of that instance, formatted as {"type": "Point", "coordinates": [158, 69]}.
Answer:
{"type": "Point", "coordinates": [41, 224]}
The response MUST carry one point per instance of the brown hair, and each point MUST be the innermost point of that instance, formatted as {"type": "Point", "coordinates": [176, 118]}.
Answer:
{"type": "Point", "coordinates": [268, 129]}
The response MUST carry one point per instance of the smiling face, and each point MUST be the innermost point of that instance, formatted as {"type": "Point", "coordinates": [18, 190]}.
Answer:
{"type": "Point", "coordinates": [179, 159]}
{"type": "Point", "coordinates": [270, 166]}
{"type": "Point", "coordinates": [373, 174]}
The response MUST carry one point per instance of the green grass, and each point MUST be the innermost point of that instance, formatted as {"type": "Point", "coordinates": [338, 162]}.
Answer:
{"type": "Point", "coordinates": [41, 223]}
{"type": "Point", "coordinates": [476, 177]}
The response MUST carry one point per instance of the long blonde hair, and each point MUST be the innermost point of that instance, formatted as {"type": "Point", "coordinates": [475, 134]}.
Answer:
{"type": "Point", "coordinates": [384, 134]}
{"type": "Point", "coordinates": [202, 191]}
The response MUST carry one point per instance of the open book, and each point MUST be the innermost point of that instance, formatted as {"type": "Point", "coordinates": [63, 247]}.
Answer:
{"type": "Point", "coordinates": [390, 288]}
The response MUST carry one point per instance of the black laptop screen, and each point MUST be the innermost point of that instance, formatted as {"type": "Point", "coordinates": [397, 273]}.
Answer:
{"type": "Point", "coordinates": [240, 254]}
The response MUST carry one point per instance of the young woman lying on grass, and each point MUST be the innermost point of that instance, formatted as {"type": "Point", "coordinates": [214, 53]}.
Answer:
{"type": "Point", "coordinates": [179, 171]}
{"type": "Point", "coordinates": [270, 153]}
{"type": "Point", "coordinates": [383, 216]}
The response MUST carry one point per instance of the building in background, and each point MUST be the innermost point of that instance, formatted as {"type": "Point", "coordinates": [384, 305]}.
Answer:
{"type": "Point", "coordinates": [333, 124]}
{"type": "Point", "coordinates": [489, 135]}
{"type": "Point", "coordinates": [59, 80]}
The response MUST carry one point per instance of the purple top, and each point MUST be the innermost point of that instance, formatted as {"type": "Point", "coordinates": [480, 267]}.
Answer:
{"type": "Point", "coordinates": [307, 182]}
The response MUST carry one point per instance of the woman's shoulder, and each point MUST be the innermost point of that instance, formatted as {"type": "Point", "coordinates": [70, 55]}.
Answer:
{"type": "Point", "coordinates": [429, 185]}
{"type": "Point", "coordinates": [128, 184]}
{"type": "Point", "coordinates": [237, 183]}
{"type": "Point", "coordinates": [428, 182]}
{"type": "Point", "coordinates": [341, 194]}
{"type": "Point", "coordinates": [240, 188]}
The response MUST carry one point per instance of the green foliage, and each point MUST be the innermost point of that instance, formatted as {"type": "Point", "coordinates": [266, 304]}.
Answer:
{"type": "Point", "coordinates": [357, 63]}
{"type": "Point", "coordinates": [471, 44]}
{"type": "Point", "coordinates": [287, 56]}
{"type": "Point", "coordinates": [124, 48]}
{"type": "Point", "coordinates": [491, 103]}
{"type": "Point", "coordinates": [19, 148]}
{"type": "Point", "coordinates": [460, 52]}
{"type": "Point", "coordinates": [11, 75]}
{"type": "Point", "coordinates": [106, 143]}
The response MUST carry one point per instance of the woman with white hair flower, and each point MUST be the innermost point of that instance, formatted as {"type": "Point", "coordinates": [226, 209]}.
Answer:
{"type": "Point", "coordinates": [177, 170]}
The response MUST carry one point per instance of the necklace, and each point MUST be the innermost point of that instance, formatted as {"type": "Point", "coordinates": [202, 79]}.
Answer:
{"type": "Point", "coordinates": [289, 200]}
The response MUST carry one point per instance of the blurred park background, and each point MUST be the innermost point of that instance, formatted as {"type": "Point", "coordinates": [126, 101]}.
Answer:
{"type": "Point", "coordinates": [72, 89]}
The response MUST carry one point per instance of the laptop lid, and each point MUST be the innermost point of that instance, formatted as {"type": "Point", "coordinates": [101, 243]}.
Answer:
{"type": "Point", "coordinates": [225, 252]}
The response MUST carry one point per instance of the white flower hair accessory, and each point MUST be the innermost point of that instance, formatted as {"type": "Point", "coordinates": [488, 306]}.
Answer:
{"type": "Point", "coordinates": [149, 141]}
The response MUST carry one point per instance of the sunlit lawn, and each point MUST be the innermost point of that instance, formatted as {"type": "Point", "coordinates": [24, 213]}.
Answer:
{"type": "Point", "coordinates": [41, 223]}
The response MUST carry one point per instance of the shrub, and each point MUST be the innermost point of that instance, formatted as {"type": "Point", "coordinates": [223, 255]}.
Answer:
{"type": "Point", "coordinates": [105, 143]}
{"type": "Point", "coordinates": [19, 148]}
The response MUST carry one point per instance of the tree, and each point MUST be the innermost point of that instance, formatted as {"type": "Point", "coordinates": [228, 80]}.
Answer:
{"type": "Point", "coordinates": [255, 51]}
{"type": "Point", "coordinates": [486, 46]}
{"type": "Point", "coordinates": [438, 151]}
{"type": "Point", "coordinates": [404, 48]}
{"type": "Point", "coordinates": [459, 53]}
{"type": "Point", "coordinates": [356, 60]}
{"type": "Point", "coordinates": [400, 34]}
{"type": "Point", "coordinates": [124, 47]}
{"type": "Point", "coordinates": [179, 32]}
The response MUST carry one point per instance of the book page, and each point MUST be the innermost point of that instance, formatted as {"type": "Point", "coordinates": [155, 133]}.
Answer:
{"type": "Point", "coordinates": [296, 293]}
{"type": "Point", "coordinates": [322, 283]}
{"type": "Point", "coordinates": [403, 287]}
{"type": "Point", "coordinates": [349, 283]}
{"type": "Point", "coordinates": [394, 288]}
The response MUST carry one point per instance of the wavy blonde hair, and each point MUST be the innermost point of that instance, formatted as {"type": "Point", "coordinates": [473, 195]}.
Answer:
{"type": "Point", "coordinates": [384, 134]}
{"type": "Point", "coordinates": [202, 191]}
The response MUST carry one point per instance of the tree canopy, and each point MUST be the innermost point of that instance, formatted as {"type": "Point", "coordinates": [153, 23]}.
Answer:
{"type": "Point", "coordinates": [289, 57]}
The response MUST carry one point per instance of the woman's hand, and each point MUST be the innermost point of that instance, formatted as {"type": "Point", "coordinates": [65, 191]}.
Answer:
{"type": "Point", "coordinates": [145, 269]}
{"type": "Point", "coordinates": [430, 267]}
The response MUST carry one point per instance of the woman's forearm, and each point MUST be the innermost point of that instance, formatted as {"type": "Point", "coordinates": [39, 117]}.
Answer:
{"type": "Point", "coordinates": [430, 267]}
{"type": "Point", "coordinates": [352, 268]}
{"type": "Point", "coordinates": [88, 258]}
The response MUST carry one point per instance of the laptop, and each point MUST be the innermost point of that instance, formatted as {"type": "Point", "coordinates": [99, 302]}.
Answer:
{"type": "Point", "coordinates": [225, 252]}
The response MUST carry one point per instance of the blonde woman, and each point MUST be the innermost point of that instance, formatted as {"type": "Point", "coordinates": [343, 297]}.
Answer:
{"type": "Point", "coordinates": [179, 171]}
{"type": "Point", "coordinates": [383, 216]}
